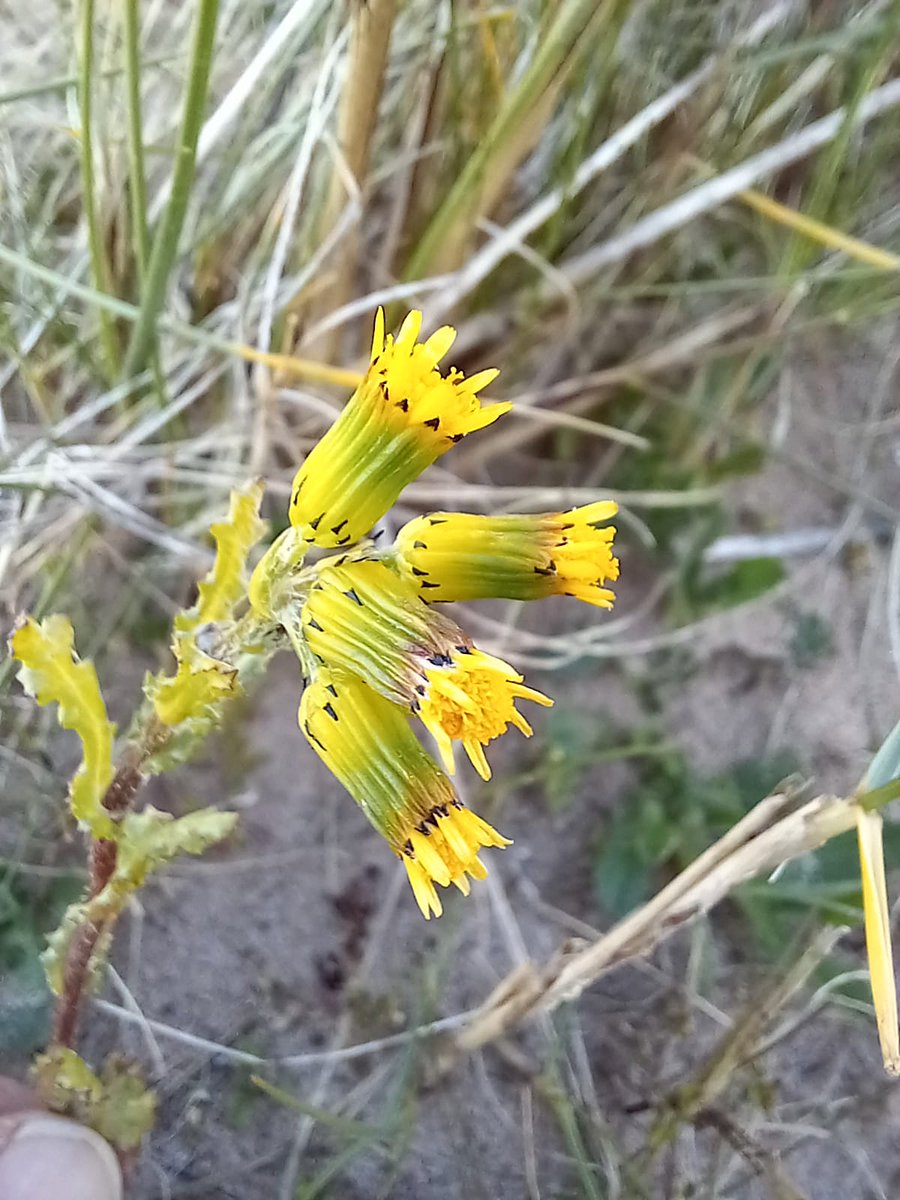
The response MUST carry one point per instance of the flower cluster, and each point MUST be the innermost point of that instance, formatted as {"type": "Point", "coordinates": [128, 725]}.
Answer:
{"type": "Point", "coordinates": [375, 652]}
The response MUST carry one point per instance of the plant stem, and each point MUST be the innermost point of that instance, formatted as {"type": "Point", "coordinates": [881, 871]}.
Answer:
{"type": "Point", "coordinates": [772, 833]}
{"type": "Point", "coordinates": [370, 37]}
{"type": "Point", "coordinates": [99, 266]}
{"type": "Point", "coordinates": [102, 863]}
{"type": "Point", "coordinates": [168, 234]}
{"type": "Point", "coordinates": [137, 178]}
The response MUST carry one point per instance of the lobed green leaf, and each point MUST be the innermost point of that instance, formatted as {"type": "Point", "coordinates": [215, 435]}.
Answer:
{"type": "Point", "coordinates": [201, 679]}
{"type": "Point", "coordinates": [52, 673]}
{"type": "Point", "coordinates": [149, 839]}
{"type": "Point", "coordinates": [117, 1104]}
{"type": "Point", "coordinates": [226, 583]}
{"type": "Point", "coordinates": [189, 692]}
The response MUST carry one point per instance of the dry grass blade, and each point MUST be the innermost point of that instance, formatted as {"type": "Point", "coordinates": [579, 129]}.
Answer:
{"type": "Point", "coordinates": [817, 231]}
{"type": "Point", "coordinates": [580, 394]}
{"type": "Point", "coordinates": [710, 195]}
{"type": "Point", "coordinates": [370, 36]}
{"type": "Point", "coordinates": [514, 130]}
{"type": "Point", "coordinates": [774, 832]}
{"type": "Point", "coordinates": [695, 1101]}
{"type": "Point", "coordinates": [505, 241]}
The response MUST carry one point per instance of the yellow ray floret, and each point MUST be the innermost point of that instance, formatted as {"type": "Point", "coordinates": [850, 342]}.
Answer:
{"type": "Point", "coordinates": [367, 742]}
{"type": "Point", "coordinates": [444, 850]}
{"type": "Point", "coordinates": [405, 414]}
{"type": "Point", "coordinates": [466, 556]}
{"type": "Point", "coordinates": [445, 406]}
{"type": "Point", "coordinates": [470, 697]}
{"type": "Point", "coordinates": [581, 552]}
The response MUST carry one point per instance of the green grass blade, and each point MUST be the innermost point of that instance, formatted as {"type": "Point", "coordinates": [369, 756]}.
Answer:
{"type": "Point", "coordinates": [62, 84]}
{"type": "Point", "coordinates": [517, 124]}
{"type": "Point", "coordinates": [885, 766]}
{"type": "Point", "coordinates": [167, 236]}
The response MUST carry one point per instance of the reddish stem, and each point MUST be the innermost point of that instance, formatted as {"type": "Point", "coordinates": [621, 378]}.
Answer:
{"type": "Point", "coordinates": [102, 863]}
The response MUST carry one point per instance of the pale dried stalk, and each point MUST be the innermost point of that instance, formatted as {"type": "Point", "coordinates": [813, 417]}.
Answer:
{"type": "Point", "coordinates": [580, 394]}
{"type": "Point", "coordinates": [745, 1040]}
{"type": "Point", "coordinates": [772, 833]}
{"type": "Point", "coordinates": [370, 36]}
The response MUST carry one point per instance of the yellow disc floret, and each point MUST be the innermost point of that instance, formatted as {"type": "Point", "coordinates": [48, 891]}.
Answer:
{"type": "Point", "coordinates": [470, 697]}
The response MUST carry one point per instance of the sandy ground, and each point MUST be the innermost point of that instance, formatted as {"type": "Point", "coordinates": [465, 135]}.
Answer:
{"type": "Point", "coordinates": [301, 938]}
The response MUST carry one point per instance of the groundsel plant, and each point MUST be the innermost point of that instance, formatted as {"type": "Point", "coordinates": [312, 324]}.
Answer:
{"type": "Point", "coordinates": [376, 657]}
{"type": "Point", "coordinates": [380, 664]}
{"type": "Point", "coordinates": [374, 650]}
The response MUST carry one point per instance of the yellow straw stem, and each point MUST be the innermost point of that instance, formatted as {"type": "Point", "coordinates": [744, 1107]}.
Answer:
{"type": "Point", "coordinates": [489, 47]}
{"type": "Point", "coordinates": [878, 936]}
{"type": "Point", "coordinates": [827, 235]}
{"type": "Point", "coordinates": [303, 368]}
{"type": "Point", "coordinates": [818, 231]}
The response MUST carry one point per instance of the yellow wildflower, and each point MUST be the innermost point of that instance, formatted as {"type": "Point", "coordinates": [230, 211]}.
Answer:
{"type": "Point", "coordinates": [366, 741]}
{"type": "Point", "coordinates": [403, 416]}
{"type": "Point", "coordinates": [465, 556]}
{"type": "Point", "coordinates": [361, 618]}
{"type": "Point", "coordinates": [363, 622]}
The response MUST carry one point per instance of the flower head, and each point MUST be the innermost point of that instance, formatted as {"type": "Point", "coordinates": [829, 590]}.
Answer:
{"type": "Point", "coordinates": [405, 414]}
{"type": "Point", "coordinates": [363, 622]}
{"type": "Point", "coordinates": [465, 556]}
{"type": "Point", "coordinates": [363, 619]}
{"type": "Point", "coordinates": [366, 741]}
{"type": "Point", "coordinates": [470, 697]}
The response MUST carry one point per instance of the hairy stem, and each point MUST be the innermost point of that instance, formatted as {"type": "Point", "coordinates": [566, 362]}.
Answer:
{"type": "Point", "coordinates": [102, 863]}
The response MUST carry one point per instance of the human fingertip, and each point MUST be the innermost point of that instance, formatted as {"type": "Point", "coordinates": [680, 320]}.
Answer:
{"type": "Point", "coordinates": [45, 1157]}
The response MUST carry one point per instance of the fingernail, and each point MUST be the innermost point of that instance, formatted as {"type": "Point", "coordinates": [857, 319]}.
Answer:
{"type": "Point", "coordinates": [49, 1157]}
